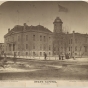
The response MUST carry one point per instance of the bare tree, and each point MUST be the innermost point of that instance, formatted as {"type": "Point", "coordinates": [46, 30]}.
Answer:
{"type": "Point", "coordinates": [66, 29]}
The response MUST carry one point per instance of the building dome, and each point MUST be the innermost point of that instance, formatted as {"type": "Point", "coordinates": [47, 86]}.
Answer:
{"type": "Point", "coordinates": [57, 20]}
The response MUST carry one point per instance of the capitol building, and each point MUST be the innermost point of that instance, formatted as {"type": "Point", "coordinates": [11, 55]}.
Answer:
{"type": "Point", "coordinates": [35, 40]}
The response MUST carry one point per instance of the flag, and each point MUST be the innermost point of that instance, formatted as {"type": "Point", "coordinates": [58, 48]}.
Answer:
{"type": "Point", "coordinates": [62, 9]}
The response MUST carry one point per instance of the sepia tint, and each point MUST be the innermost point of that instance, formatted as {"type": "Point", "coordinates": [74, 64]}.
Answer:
{"type": "Point", "coordinates": [44, 40]}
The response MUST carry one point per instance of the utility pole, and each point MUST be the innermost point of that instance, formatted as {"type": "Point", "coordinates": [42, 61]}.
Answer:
{"type": "Point", "coordinates": [74, 44]}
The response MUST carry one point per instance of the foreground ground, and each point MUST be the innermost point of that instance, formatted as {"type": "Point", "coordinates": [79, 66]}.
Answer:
{"type": "Point", "coordinates": [45, 70]}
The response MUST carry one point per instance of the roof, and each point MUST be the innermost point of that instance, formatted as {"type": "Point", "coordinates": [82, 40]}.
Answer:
{"type": "Point", "coordinates": [77, 35]}
{"type": "Point", "coordinates": [38, 28]}
{"type": "Point", "coordinates": [57, 20]}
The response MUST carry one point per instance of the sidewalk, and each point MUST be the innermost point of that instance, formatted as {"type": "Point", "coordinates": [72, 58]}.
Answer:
{"type": "Point", "coordinates": [52, 58]}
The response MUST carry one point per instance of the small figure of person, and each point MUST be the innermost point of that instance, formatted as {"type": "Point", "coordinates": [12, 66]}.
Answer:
{"type": "Point", "coordinates": [15, 57]}
{"type": "Point", "coordinates": [59, 57]}
{"type": "Point", "coordinates": [3, 61]}
{"type": "Point", "coordinates": [62, 56]}
{"type": "Point", "coordinates": [73, 56]}
{"type": "Point", "coordinates": [5, 57]}
{"type": "Point", "coordinates": [45, 55]}
{"type": "Point", "coordinates": [67, 56]}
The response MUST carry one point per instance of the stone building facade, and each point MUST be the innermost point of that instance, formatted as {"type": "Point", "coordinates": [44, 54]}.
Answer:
{"type": "Point", "coordinates": [28, 40]}
{"type": "Point", "coordinates": [35, 40]}
{"type": "Point", "coordinates": [75, 44]}
{"type": "Point", "coordinates": [78, 44]}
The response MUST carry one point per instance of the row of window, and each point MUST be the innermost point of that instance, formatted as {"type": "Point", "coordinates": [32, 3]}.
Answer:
{"type": "Point", "coordinates": [34, 53]}
{"type": "Point", "coordinates": [57, 49]}
{"type": "Point", "coordinates": [76, 48]}
{"type": "Point", "coordinates": [70, 41]}
{"type": "Point", "coordinates": [42, 38]}
{"type": "Point", "coordinates": [41, 47]}
{"type": "Point", "coordinates": [70, 48]}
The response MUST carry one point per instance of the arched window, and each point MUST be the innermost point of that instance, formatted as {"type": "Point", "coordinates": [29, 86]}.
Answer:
{"type": "Point", "coordinates": [44, 38]}
{"type": "Point", "coordinates": [40, 38]}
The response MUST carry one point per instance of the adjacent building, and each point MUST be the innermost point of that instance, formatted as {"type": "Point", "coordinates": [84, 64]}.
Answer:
{"type": "Point", "coordinates": [35, 40]}
{"type": "Point", "coordinates": [1, 47]}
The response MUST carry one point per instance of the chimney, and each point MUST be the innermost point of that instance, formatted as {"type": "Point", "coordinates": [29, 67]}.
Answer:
{"type": "Point", "coordinates": [67, 32]}
{"type": "Point", "coordinates": [25, 26]}
{"type": "Point", "coordinates": [8, 30]}
{"type": "Point", "coordinates": [73, 31]}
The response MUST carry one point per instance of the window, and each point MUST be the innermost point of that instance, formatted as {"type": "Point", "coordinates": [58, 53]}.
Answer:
{"type": "Point", "coordinates": [75, 40]}
{"type": "Point", "coordinates": [40, 38]}
{"type": "Point", "coordinates": [85, 47]}
{"type": "Point", "coordinates": [40, 46]}
{"type": "Point", "coordinates": [80, 48]}
{"type": "Point", "coordinates": [69, 48]}
{"type": "Point", "coordinates": [49, 38]}
{"type": "Point", "coordinates": [75, 53]}
{"type": "Point", "coordinates": [18, 46]}
{"type": "Point", "coordinates": [26, 37]}
{"type": "Point", "coordinates": [18, 53]}
{"type": "Point", "coordinates": [26, 53]}
{"type": "Point", "coordinates": [54, 49]}
{"type": "Point", "coordinates": [13, 47]}
{"type": "Point", "coordinates": [9, 47]}
{"type": "Point", "coordinates": [33, 46]}
{"type": "Point", "coordinates": [49, 53]}
{"type": "Point", "coordinates": [8, 39]}
{"type": "Point", "coordinates": [44, 47]}
{"type": "Point", "coordinates": [76, 48]}
{"type": "Point", "coordinates": [12, 38]}
{"type": "Point", "coordinates": [44, 38]}
{"type": "Point", "coordinates": [49, 47]}
{"type": "Point", "coordinates": [18, 38]}
{"type": "Point", "coordinates": [33, 37]}
{"type": "Point", "coordinates": [34, 54]}
{"type": "Point", "coordinates": [71, 41]}
{"type": "Point", "coordinates": [61, 48]}
{"type": "Point", "coordinates": [86, 40]}
{"type": "Point", "coordinates": [26, 46]}
{"type": "Point", "coordinates": [6, 48]}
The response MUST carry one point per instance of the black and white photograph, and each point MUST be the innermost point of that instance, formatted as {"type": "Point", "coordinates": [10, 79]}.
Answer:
{"type": "Point", "coordinates": [44, 40]}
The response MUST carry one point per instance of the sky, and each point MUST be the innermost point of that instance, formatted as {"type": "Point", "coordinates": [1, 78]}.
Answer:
{"type": "Point", "coordinates": [44, 13]}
